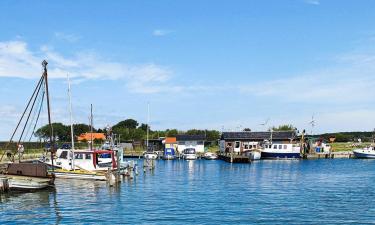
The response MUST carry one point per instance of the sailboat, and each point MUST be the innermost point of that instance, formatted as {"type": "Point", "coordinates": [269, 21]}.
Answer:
{"type": "Point", "coordinates": [83, 164]}
{"type": "Point", "coordinates": [150, 153]}
{"type": "Point", "coordinates": [31, 176]}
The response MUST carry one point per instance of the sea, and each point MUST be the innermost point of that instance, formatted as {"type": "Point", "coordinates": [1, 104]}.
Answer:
{"type": "Point", "coordinates": [322, 191]}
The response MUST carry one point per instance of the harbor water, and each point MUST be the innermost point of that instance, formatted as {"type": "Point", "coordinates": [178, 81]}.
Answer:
{"type": "Point", "coordinates": [340, 191]}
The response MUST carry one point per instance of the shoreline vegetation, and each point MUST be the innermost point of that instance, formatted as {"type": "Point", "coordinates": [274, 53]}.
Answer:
{"type": "Point", "coordinates": [130, 130]}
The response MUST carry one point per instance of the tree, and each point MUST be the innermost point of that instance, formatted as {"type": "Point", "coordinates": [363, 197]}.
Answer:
{"type": "Point", "coordinates": [247, 129]}
{"type": "Point", "coordinates": [143, 127]}
{"type": "Point", "coordinates": [128, 123]}
{"type": "Point", "coordinates": [61, 132]}
{"type": "Point", "coordinates": [81, 128]}
{"type": "Point", "coordinates": [285, 127]}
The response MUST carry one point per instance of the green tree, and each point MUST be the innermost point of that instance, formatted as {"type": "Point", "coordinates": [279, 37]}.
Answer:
{"type": "Point", "coordinates": [61, 132]}
{"type": "Point", "coordinates": [285, 127]}
{"type": "Point", "coordinates": [128, 123]}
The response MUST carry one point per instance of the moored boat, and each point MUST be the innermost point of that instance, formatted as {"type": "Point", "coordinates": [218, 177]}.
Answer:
{"type": "Point", "coordinates": [280, 151]}
{"type": "Point", "coordinates": [365, 153]}
{"type": "Point", "coordinates": [189, 154]}
{"type": "Point", "coordinates": [210, 156]}
{"type": "Point", "coordinates": [169, 154]}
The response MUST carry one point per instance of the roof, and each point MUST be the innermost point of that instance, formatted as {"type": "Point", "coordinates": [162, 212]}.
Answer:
{"type": "Point", "coordinates": [87, 136]}
{"type": "Point", "coordinates": [169, 140]}
{"type": "Point", "coordinates": [187, 137]}
{"type": "Point", "coordinates": [246, 135]}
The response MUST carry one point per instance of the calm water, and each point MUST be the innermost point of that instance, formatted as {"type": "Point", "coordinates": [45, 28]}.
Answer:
{"type": "Point", "coordinates": [210, 192]}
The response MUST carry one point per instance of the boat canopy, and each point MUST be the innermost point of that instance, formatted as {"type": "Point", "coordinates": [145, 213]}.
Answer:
{"type": "Point", "coordinates": [189, 151]}
{"type": "Point", "coordinates": [169, 151]}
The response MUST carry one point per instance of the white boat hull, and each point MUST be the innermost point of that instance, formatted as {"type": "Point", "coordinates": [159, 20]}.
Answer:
{"type": "Point", "coordinates": [28, 183]}
{"type": "Point", "coordinates": [79, 176]}
{"type": "Point", "coordinates": [150, 156]}
{"type": "Point", "coordinates": [190, 157]}
{"type": "Point", "coordinates": [364, 153]}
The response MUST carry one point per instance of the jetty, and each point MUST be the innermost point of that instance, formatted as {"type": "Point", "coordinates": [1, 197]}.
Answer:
{"type": "Point", "coordinates": [234, 158]}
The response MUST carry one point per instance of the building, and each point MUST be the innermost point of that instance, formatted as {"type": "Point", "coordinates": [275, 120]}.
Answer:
{"type": "Point", "coordinates": [243, 141]}
{"type": "Point", "coordinates": [88, 136]}
{"type": "Point", "coordinates": [190, 141]}
{"type": "Point", "coordinates": [170, 142]}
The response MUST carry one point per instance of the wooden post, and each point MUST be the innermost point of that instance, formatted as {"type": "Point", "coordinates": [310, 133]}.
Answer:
{"type": "Point", "coordinates": [4, 184]}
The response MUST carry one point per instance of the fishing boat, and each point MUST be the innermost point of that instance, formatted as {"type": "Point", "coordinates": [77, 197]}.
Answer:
{"type": "Point", "coordinates": [169, 154]}
{"type": "Point", "coordinates": [280, 151]}
{"type": "Point", "coordinates": [189, 154]}
{"type": "Point", "coordinates": [365, 153]}
{"type": "Point", "coordinates": [210, 156]}
{"type": "Point", "coordinates": [30, 176]}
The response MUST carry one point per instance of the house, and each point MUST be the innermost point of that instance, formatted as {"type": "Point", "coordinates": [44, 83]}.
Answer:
{"type": "Point", "coordinates": [94, 136]}
{"type": "Point", "coordinates": [170, 142]}
{"type": "Point", "coordinates": [155, 144]}
{"type": "Point", "coordinates": [190, 141]}
{"type": "Point", "coordinates": [246, 140]}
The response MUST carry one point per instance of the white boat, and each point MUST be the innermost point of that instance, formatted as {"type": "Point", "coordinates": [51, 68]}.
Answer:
{"type": "Point", "coordinates": [189, 154]}
{"type": "Point", "coordinates": [150, 155]}
{"type": "Point", "coordinates": [210, 156]}
{"type": "Point", "coordinates": [365, 153]}
{"type": "Point", "coordinates": [255, 154]}
{"type": "Point", "coordinates": [280, 151]}
{"type": "Point", "coordinates": [28, 183]}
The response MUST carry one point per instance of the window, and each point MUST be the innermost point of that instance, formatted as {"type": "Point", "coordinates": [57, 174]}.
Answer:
{"type": "Point", "coordinates": [64, 155]}
{"type": "Point", "coordinates": [237, 144]}
{"type": "Point", "coordinates": [285, 146]}
{"type": "Point", "coordinates": [78, 156]}
{"type": "Point", "coordinates": [229, 144]}
{"type": "Point", "coordinates": [274, 146]}
{"type": "Point", "coordinates": [250, 147]}
{"type": "Point", "coordinates": [88, 156]}
{"type": "Point", "coordinates": [280, 147]}
{"type": "Point", "coordinates": [182, 143]}
{"type": "Point", "coordinates": [200, 143]}
{"type": "Point", "coordinates": [246, 146]}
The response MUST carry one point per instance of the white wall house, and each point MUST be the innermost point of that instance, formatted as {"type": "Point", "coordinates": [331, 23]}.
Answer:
{"type": "Point", "coordinates": [190, 141]}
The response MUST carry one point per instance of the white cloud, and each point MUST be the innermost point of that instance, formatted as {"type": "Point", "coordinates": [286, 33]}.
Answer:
{"type": "Point", "coordinates": [312, 2]}
{"type": "Point", "coordinates": [160, 32]}
{"type": "Point", "coordinates": [17, 60]}
{"type": "Point", "coordinates": [67, 37]}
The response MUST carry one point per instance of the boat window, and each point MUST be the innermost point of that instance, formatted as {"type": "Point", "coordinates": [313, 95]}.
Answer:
{"type": "Point", "coordinates": [78, 156]}
{"type": "Point", "coordinates": [250, 147]}
{"type": "Point", "coordinates": [181, 142]}
{"type": "Point", "coordinates": [237, 144]}
{"type": "Point", "coordinates": [254, 146]}
{"type": "Point", "coordinates": [88, 156]}
{"type": "Point", "coordinates": [275, 147]}
{"type": "Point", "coordinates": [189, 151]}
{"type": "Point", "coordinates": [64, 155]}
{"type": "Point", "coordinates": [246, 146]}
{"type": "Point", "coordinates": [285, 146]}
{"type": "Point", "coordinates": [280, 147]}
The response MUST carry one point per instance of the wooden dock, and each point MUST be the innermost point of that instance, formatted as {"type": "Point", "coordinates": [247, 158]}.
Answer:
{"type": "Point", "coordinates": [332, 155]}
{"type": "Point", "coordinates": [234, 158]}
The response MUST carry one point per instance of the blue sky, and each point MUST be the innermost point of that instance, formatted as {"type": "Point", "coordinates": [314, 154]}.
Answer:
{"type": "Point", "coordinates": [201, 64]}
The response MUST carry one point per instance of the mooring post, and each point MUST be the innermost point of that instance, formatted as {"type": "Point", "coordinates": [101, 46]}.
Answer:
{"type": "Point", "coordinates": [4, 184]}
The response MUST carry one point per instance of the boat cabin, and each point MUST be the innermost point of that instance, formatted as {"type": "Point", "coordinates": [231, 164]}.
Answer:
{"type": "Point", "coordinates": [190, 141]}
{"type": "Point", "coordinates": [241, 142]}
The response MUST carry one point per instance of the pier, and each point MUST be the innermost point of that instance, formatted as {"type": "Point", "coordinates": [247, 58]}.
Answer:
{"type": "Point", "coordinates": [332, 155]}
{"type": "Point", "coordinates": [232, 158]}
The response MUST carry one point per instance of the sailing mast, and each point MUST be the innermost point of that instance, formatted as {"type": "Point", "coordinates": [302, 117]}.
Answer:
{"type": "Point", "coordinates": [52, 141]}
{"type": "Point", "coordinates": [91, 130]}
{"type": "Point", "coordinates": [71, 120]}
{"type": "Point", "coordinates": [148, 121]}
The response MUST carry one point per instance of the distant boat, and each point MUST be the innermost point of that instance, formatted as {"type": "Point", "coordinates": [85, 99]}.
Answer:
{"type": "Point", "coordinates": [169, 153]}
{"type": "Point", "coordinates": [189, 154]}
{"type": "Point", "coordinates": [149, 154]}
{"type": "Point", "coordinates": [210, 156]}
{"type": "Point", "coordinates": [280, 151]}
{"type": "Point", "coordinates": [365, 153]}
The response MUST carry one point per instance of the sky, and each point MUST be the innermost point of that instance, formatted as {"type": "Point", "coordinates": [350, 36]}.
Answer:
{"type": "Point", "coordinates": [224, 65]}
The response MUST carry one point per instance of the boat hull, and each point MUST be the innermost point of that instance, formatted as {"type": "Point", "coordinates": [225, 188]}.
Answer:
{"type": "Point", "coordinates": [169, 157]}
{"type": "Point", "coordinates": [190, 157]}
{"type": "Point", "coordinates": [150, 156]}
{"type": "Point", "coordinates": [364, 155]}
{"type": "Point", "coordinates": [29, 183]}
{"type": "Point", "coordinates": [280, 155]}
{"type": "Point", "coordinates": [80, 176]}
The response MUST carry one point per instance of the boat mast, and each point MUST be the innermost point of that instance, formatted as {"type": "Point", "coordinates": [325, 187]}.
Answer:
{"type": "Point", "coordinates": [71, 120]}
{"type": "Point", "coordinates": [52, 141]}
{"type": "Point", "coordinates": [148, 121]}
{"type": "Point", "coordinates": [91, 129]}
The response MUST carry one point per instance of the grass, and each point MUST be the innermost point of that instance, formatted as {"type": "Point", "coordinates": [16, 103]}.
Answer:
{"type": "Point", "coordinates": [347, 146]}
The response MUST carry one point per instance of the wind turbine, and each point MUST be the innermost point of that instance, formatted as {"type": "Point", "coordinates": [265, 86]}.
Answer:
{"type": "Point", "coordinates": [312, 123]}
{"type": "Point", "coordinates": [265, 122]}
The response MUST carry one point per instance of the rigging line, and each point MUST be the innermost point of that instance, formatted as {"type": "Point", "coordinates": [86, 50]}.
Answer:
{"type": "Point", "coordinates": [23, 114]}
{"type": "Point", "coordinates": [34, 111]}
{"type": "Point", "coordinates": [28, 116]}
{"type": "Point", "coordinates": [37, 118]}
